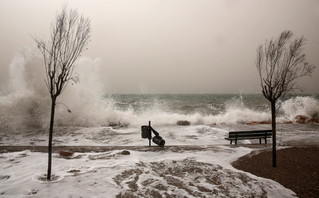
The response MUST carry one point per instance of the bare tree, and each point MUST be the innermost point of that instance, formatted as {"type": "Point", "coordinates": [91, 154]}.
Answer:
{"type": "Point", "coordinates": [70, 35]}
{"type": "Point", "coordinates": [280, 62]}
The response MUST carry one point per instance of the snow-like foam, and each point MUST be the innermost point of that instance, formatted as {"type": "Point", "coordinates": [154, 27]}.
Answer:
{"type": "Point", "coordinates": [206, 173]}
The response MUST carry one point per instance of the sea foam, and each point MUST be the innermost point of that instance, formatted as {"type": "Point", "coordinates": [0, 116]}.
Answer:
{"type": "Point", "coordinates": [26, 101]}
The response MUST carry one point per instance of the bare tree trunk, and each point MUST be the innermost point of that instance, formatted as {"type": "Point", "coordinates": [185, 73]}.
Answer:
{"type": "Point", "coordinates": [280, 62]}
{"type": "Point", "coordinates": [70, 35]}
{"type": "Point", "coordinates": [273, 125]}
{"type": "Point", "coordinates": [50, 138]}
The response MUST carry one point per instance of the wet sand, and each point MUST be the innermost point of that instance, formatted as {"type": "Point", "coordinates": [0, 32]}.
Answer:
{"type": "Point", "coordinates": [297, 168]}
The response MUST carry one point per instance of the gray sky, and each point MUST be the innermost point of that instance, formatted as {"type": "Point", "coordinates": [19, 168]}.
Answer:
{"type": "Point", "coordinates": [170, 46]}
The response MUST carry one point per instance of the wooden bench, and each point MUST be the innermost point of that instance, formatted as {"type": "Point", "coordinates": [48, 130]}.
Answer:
{"type": "Point", "coordinates": [245, 135]}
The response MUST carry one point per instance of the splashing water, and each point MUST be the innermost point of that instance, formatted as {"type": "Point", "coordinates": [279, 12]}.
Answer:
{"type": "Point", "coordinates": [300, 105]}
{"type": "Point", "coordinates": [26, 102]}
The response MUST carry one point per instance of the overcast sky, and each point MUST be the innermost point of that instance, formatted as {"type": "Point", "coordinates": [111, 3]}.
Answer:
{"type": "Point", "coordinates": [170, 46]}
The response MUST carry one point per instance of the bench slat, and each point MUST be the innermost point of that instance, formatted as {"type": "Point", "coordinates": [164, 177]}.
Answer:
{"type": "Point", "coordinates": [242, 135]}
{"type": "Point", "coordinates": [244, 138]}
{"type": "Point", "coordinates": [259, 131]}
{"type": "Point", "coordinates": [250, 135]}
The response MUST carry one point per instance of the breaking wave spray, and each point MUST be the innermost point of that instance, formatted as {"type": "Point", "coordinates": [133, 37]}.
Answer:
{"type": "Point", "coordinates": [26, 101]}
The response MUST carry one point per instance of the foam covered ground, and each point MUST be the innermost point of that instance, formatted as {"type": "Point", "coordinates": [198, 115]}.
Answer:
{"type": "Point", "coordinates": [166, 173]}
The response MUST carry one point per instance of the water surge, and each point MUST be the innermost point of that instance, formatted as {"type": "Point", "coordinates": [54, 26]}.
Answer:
{"type": "Point", "coordinates": [26, 101]}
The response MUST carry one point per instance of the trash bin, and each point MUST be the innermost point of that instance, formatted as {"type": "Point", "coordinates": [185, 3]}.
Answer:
{"type": "Point", "coordinates": [146, 132]}
{"type": "Point", "coordinates": [159, 140]}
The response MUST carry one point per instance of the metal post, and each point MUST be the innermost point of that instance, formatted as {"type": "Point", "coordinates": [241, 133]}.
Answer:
{"type": "Point", "coordinates": [150, 137]}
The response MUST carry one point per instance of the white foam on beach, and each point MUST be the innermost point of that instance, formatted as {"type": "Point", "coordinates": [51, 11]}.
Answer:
{"type": "Point", "coordinates": [187, 173]}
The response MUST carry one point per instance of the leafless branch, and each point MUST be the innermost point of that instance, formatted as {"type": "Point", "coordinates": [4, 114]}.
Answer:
{"type": "Point", "coordinates": [69, 36]}
{"type": "Point", "coordinates": [280, 62]}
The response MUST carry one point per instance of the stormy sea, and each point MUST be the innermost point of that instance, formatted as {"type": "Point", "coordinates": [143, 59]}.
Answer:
{"type": "Point", "coordinates": [195, 161]}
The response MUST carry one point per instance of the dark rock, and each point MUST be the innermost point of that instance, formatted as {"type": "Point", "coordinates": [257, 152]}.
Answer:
{"type": "Point", "coordinates": [117, 125]}
{"type": "Point", "coordinates": [313, 120]}
{"type": "Point", "coordinates": [301, 119]}
{"type": "Point", "coordinates": [125, 152]}
{"type": "Point", "coordinates": [4, 177]}
{"type": "Point", "coordinates": [183, 123]}
{"type": "Point", "coordinates": [259, 122]}
{"type": "Point", "coordinates": [66, 153]}
{"type": "Point", "coordinates": [287, 122]}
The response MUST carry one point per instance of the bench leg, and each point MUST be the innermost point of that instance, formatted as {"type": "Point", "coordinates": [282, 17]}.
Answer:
{"type": "Point", "coordinates": [236, 141]}
{"type": "Point", "coordinates": [265, 140]}
{"type": "Point", "coordinates": [231, 141]}
{"type": "Point", "coordinates": [259, 140]}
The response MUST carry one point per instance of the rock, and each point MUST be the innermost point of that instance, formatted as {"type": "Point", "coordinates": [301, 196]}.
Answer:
{"type": "Point", "coordinates": [301, 119]}
{"type": "Point", "coordinates": [313, 120]}
{"type": "Point", "coordinates": [306, 120]}
{"type": "Point", "coordinates": [183, 123]}
{"type": "Point", "coordinates": [4, 177]}
{"type": "Point", "coordinates": [287, 122]}
{"type": "Point", "coordinates": [66, 153]}
{"type": "Point", "coordinates": [114, 124]}
{"type": "Point", "coordinates": [259, 122]}
{"type": "Point", "coordinates": [118, 125]}
{"type": "Point", "coordinates": [125, 152]}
